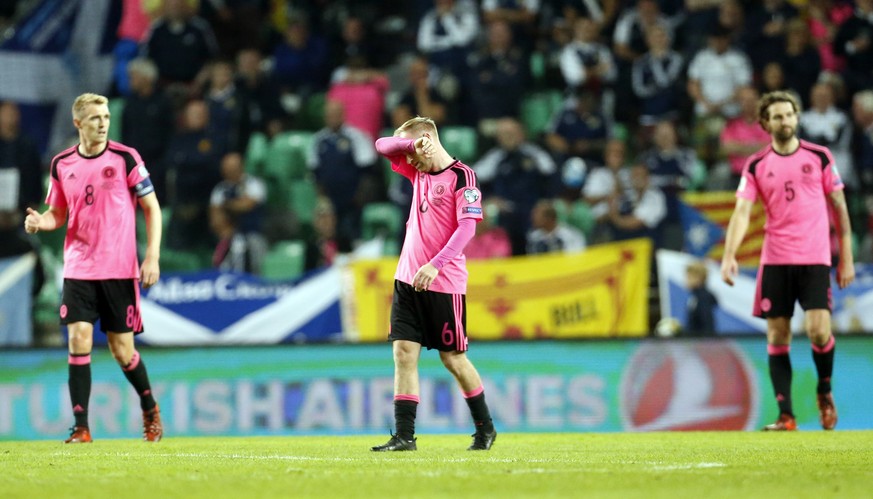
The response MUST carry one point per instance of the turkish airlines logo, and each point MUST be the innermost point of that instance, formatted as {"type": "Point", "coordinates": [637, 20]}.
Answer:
{"type": "Point", "coordinates": [689, 386]}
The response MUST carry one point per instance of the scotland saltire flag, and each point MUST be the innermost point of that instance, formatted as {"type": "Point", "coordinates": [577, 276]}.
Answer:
{"type": "Point", "coordinates": [701, 234]}
{"type": "Point", "coordinates": [57, 51]}
{"type": "Point", "coordinates": [16, 287]}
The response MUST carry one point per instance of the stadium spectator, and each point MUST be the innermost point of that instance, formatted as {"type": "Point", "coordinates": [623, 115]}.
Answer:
{"type": "Point", "coordinates": [772, 78]}
{"type": "Point", "coordinates": [261, 106]}
{"type": "Point", "coordinates": [324, 245]}
{"type": "Point", "coordinates": [854, 41]}
{"type": "Point", "coordinates": [431, 279]}
{"type": "Point", "coordinates": [101, 272]}
{"type": "Point", "coordinates": [192, 159]}
{"type": "Point", "coordinates": [225, 104]}
{"type": "Point", "coordinates": [235, 251]}
{"type": "Point", "coordinates": [825, 18]}
{"type": "Point", "coordinates": [578, 130]}
{"type": "Point", "coordinates": [498, 75]}
{"type": "Point", "coordinates": [148, 120]}
{"type": "Point", "coordinates": [520, 16]}
{"type": "Point", "coordinates": [515, 174]}
{"type": "Point", "coordinates": [602, 12]}
{"type": "Point", "coordinates": [715, 75]}
{"type": "Point", "coordinates": [20, 167]}
{"type": "Point", "coordinates": [240, 195]}
{"type": "Point", "coordinates": [639, 208]}
{"type": "Point", "coordinates": [342, 158]}
{"type": "Point", "coordinates": [355, 41]}
{"type": "Point", "coordinates": [491, 240]}
{"type": "Point", "coordinates": [827, 125]}
{"type": "Point", "coordinates": [657, 79]}
{"type": "Point", "coordinates": [796, 255]}
{"type": "Point", "coordinates": [862, 115]}
{"type": "Point", "coordinates": [586, 62]}
{"type": "Point", "coordinates": [701, 304]}
{"type": "Point", "coordinates": [421, 99]}
{"type": "Point", "coordinates": [742, 136]}
{"type": "Point", "coordinates": [362, 91]}
{"type": "Point", "coordinates": [301, 60]}
{"type": "Point", "coordinates": [765, 30]}
{"type": "Point", "coordinates": [237, 23]}
{"type": "Point", "coordinates": [603, 183]}
{"type": "Point", "coordinates": [550, 235]}
{"type": "Point", "coordinates": [800, 60]}
{"type": "Point", "coordinates": [179, 43]}
{"type": "Point", "coordinates": [446, 34]}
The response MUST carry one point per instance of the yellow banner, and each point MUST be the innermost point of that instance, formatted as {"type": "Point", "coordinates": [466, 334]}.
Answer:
{"type": "Point", "coordinates": [601, 292]}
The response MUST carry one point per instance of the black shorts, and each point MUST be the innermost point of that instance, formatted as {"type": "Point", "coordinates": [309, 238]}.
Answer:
{"type": "Point", "coordinates": [780, 286]}
{"type": "Point", "coordinates": [114, 301]}
{"type": "Point", "coordinates": [435, 320]}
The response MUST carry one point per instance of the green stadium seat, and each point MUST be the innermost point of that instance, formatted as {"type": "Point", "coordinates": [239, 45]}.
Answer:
{"type": "Point", "coordinates": [257, 152]}
{"type": "Point", "coordinates": [581, 217]}
{"type": "Point", "coordinates": [116, 111]}
{"type": "Point", "coordinates": [381, 220]}
{"type": "Point", "coordinates": [180, 261]}
{"type": "Point", "coordinates": [286, 155]}
{"type": "Point", "coordinates": [461, 142]}
{"type": "Point", "coordinates": [537, 67]}
{"type": "Point", "coordinates": [537, 110]}
{"type": "Point", "coordinates": [302, 197]}
{"type": "Point", "coordinates": [312, 112]}
{"type": "Point", "coordinates": [285, 261]}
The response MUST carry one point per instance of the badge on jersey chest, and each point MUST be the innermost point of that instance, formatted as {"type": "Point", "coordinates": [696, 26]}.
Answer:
{"type": "Point", "coordinates": [438, 192]}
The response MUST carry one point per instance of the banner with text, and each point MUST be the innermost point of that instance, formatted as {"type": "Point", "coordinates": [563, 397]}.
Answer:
{"type": "Point", "coordinates": [600, 292]}
{"type": "Point", "coordinates": [548, 386]}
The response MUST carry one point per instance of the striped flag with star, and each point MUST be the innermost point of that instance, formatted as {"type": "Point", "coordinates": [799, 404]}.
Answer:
{"type": "Point", "coordinates": [705, 217]}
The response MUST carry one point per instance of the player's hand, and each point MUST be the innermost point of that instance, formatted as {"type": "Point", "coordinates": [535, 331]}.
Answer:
{"type": "Point", "coordinates": [149, 273]}
{"type": "Point", "coordinates": [424, 277]}
{"type": "Point", "coordinates": [845, 273]}
{"type": "Point", "coordinates": [424, 147]}
{"type": "Point", "coordinates": [32, 221]}
{"type": "Point", "coordinates": [729, 270]}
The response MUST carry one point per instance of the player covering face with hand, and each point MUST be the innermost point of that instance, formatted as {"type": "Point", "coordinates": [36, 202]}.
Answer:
{"type": "Point", "coordinates": [429, 307]}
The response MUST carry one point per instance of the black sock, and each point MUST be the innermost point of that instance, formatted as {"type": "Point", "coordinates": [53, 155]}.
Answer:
{"type": "Point", "coordinates": [780, 375]}
{"type": "Point", "coordinates": [404, 418]}
{"type": "Point", "coordinates": [481, 414]}
{"type": "Point", "coordinates": [823, 356]}
{"type": "Point", "coordinates": [80, 386]}
{"type": "Point", "coordinates": [135, 372]}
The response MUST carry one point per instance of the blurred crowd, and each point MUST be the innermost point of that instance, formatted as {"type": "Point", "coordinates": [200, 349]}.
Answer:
{"type": "Point", "coordinates": [585, 120]}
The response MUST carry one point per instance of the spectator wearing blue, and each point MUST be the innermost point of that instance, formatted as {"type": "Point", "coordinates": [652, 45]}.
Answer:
{"type": "Point", "coordinates": [550, 235]}
{"type": "Point", "coordinates": [639, 209]}
{"type": "Point", "coordinates": [578, 129]}
{"type": "Point", "coordinates": [800, 60]}
{"type": "Point", "coordinates": [447, 32]}
{"type": "Point", "coordinates": [225, 104]}
{"type": "Point", "coordinates": [657, 79]}
{"type": "Point", "coordinates": [825, 124]}
{"type": "Point", "coordinates": [342, 159]}
{"type": "Point", "coordinates": [585, 61]}
{"type": "Point", "coordinates": [854, 41]}
{"type": "Point", "coordinates": [192, 161]}
{"type": "Point", "coordinates": [148, 120]}
{"type": "Point", "coordinates": [766, 26]}
{"type": "Point", "coordinates": [421, 99]}
{"type": "Point", "coordinates": [179, 43]}
{"type": "Point", "coordinates": [498, 76]}
{"type": "Point", "coordinates": [261, 106]}
{"type": "Point", "coordinates": [20, 167]}
{"type": "Point", "coordinates": [301, 59]}
{"type": "Point", "coordinates": [519, 15]}
{"type": "Point", "coordinates": [515, 174]}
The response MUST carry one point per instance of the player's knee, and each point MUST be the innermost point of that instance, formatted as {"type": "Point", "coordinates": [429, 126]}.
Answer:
{"type": "Point", "coordinates": [818, 333]}
{"type": "Point", "coordinates": [121, 351]}
{"type": "Point", "coordinates": [405, 357]}
{"type": "Point", "coordinates": [80, 338]}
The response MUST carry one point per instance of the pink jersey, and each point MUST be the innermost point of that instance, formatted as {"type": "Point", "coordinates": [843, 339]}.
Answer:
{"type": "Point", "coordinates": [439, 200]}
{"type": "Point", "coordinates": [99, 195]}
{"type": "Point", "coordinates": [794, 189]}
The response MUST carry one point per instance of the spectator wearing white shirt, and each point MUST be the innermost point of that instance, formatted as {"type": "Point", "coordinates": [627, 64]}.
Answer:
{"type": "Point", "coordinates": [640, 209]}
{"type": "Point", "coordinates": [549, 235]}
{"type": "Point", "coordinates": [585, 62]}
{"type": "Point", "coordinates": [829, 126]}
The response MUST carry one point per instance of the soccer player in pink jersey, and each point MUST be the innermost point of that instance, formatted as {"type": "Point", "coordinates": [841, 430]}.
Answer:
{"type": "Point", "coordinates": [795, 180]}
{"type": "Point", "coordinates": [430, 285]}
{"type": "Point", "coordinates": [94, 188]}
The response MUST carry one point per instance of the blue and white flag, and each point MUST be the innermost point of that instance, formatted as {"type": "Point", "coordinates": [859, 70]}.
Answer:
{"type": "Point", "coordinates": [59, 50]}
{"type": "Point", "coordinates": [16, 288]}
{"type": "Point", "coordinates": [221, 308]}
{"type": "Point", "coordinates": [701, 234]}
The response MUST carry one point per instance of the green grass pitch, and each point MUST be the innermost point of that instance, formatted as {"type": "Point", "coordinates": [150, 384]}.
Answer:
{"type": "Point", "coordinates": [674, 465]}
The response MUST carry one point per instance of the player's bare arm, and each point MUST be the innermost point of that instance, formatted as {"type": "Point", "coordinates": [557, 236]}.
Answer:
{"type": "Point", "coordinates": [736, 231]}
{"type": "Point", "coordinates": [846, 266]}
{"type": "Point", "coordinates": [50, 219]}
{"type": "Point", "coordinates": [150, 270]}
